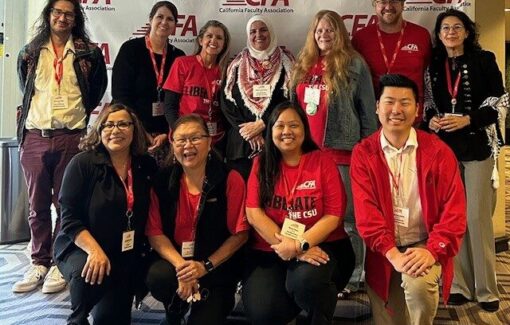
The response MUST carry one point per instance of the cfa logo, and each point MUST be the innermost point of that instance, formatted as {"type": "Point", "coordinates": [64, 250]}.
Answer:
{"type": "Point", "coordinates": [307, 185]}
{"type": "Point", "coordinates": [95, 2]}
{"type": "Point", "coordinates": [105, 48]}
{"type": "Point", "coordinates": [256, 3]}
{"type": "Point", "coordinates": [359, 21]}
{"type": "Point", "coordinates": [185, 25]}
{"type": "Point", "coordinates": [410, 48]}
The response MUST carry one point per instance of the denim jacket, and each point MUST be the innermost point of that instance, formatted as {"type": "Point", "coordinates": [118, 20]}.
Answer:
{"type": "Point", "coordinates": [90, 70]}
{"type": "Point", "coordinates": [351, 113]}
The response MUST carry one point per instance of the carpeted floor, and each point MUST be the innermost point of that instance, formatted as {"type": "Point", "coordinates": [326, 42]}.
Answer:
{"type": "Point", "coordinates": [41, 309]}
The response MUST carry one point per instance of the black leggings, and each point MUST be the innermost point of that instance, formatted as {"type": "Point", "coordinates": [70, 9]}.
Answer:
{"type": "Point", "coordinates": [275, 291]}
{"type": "Point", "coordinates": [109, 302]}
{"type": "Point", "coordinates": [214, 309]}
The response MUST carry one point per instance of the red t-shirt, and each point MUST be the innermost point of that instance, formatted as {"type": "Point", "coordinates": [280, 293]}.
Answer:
{"type": "Point", "coordinates": [412, 58]}
{"type": "Point", "coordinates": [199, 88]}
{"type": "Point", "coordinates": [318, 120]}
{"type": "Point", "coordinates": [318, 191]}
{"type": "Point", "coordinates": [185, 221]}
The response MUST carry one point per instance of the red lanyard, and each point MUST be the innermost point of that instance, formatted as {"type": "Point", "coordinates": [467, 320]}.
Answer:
{"type": "Point", "coordinates": [159, 75]}
{"type": "Point", "coordinates": [316, 73]}
{"type": "Point", "coordinates": [58, 66]}
{"type": "Point", "coordinates": [453, 92]}
{"type": "Point", "coordinates": [395, 52]}
{"type": "Point", "coordinates": [210, 86]}
{"type": "Point", "coordinates": [130, 196]}
{"type": "Point", "coordinates": [395, 179]}
{"type": "Point", "coordinates": [289, 193]}
{"type": "Point", "coordinates": [189, 208]}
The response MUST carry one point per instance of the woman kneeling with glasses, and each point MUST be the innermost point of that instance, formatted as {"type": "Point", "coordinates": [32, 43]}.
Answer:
{"type": "Point", "coordinates": [301, 254]}
{"type": "Point", "coordinates": [202, 226]}
{"type": "Point", "coordinates": [105, 200]}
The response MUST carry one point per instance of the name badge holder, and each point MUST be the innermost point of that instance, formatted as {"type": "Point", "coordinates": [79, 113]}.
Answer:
{"type": "Point", "coordinates": [211, 88]}
{"type": "Point", "coordinates": [292, 229]}
{"type": "Point", "coordinates": [261, 91]}
{"type": "Point", "coordinates": [158, 106]}
{"type": "Point", "coordinates": [128, 236]}
{"type": "Point", "coordinates": [188, 247]}
{"type": "Point", "coordinates": [59, 101]}
{"type": "Point", "coordinates": [312, 99]}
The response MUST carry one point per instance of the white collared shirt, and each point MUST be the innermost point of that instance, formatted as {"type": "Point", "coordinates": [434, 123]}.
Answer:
{"type": "Point", "coordinates": [407, 194]}
{"type": "Point", "coordinates": [41, 115]}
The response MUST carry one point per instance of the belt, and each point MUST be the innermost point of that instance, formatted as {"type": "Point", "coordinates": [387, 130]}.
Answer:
{"type": "Point", "coordinates": [50, 133]}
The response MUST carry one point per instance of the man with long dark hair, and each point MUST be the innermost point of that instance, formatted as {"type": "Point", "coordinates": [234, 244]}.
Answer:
{"type": "Point", "coordinates": [63, 77]}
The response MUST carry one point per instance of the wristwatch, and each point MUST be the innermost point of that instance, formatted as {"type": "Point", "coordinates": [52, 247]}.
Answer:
{"type": "Point", "coordinates": [208, 265]}
{"type": "Point", "coordinates": [304, 245]}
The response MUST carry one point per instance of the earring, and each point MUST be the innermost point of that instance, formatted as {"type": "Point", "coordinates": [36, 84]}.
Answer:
{"type": "Point", "coordinates": [209, 155]}
{"type": "Point", "coordinates": [174, 160]}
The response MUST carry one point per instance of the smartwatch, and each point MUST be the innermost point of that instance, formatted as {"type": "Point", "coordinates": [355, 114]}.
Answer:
{"type": "Point", "coordinates": [208, 265]}
{"type": "Point", "coordinates": [304, 245]}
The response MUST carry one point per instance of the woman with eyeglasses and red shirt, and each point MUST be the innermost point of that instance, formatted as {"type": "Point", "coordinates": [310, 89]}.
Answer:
{"type": "Point", "coordinates": [200, 231]}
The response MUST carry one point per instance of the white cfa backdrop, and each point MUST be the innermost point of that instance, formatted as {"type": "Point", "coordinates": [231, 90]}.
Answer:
{"type": "Point", "coordinates": [112, 22]}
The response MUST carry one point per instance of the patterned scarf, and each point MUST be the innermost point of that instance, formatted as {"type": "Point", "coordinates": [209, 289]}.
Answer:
{"type": "Point", "coordinates": [249, 72]}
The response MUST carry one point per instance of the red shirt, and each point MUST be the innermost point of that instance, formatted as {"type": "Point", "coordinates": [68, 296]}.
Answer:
{"type": "Point", "coordinates": [318, 121]}
{"type": "Point", "coordinates": [318, 191]}
{"type": "Point", "coordinates": [185, 221]}
{"type": "Point", "coordinates": [412, 58]}
{"type": "Point", "coordinates": [199, 88]}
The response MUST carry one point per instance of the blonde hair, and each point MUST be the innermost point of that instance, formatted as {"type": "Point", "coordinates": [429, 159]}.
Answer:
{"type": "Point", "coordinates": [336, 62]}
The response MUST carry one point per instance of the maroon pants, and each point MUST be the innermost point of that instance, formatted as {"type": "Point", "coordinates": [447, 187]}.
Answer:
{"type": "Point", "coordinates": [43, 161]}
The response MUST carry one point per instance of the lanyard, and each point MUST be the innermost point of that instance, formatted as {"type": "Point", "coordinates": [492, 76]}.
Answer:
{"type": "Point", "coordinates": [58, 66]}
{"type": "Point", "coordinates": [159, 75]}
{"type": "Point", "coordinates": [395, 179]}
{"type": "Point", "coordinates": [289, 192]}
{"type": "Point", "coordinates": [395, 51]}
{"type": "Point", "coordinates": [453, 92]}
{"type": "Point", "coordinates": [189, 208]}
{"type": "Point", "coordinates": [209, 86]}
{"type": "Point", "coordinates": [316, 73]}
{"type": "Point", "coordinates": [130, 197]}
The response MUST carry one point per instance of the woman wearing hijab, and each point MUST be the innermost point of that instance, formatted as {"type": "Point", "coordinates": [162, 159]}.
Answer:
{"type": "Point", "coordinates": [256, 81]}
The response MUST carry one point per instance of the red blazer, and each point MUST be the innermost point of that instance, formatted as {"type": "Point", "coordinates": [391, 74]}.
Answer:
{"type": "Point", "coordinates": [442, 199]}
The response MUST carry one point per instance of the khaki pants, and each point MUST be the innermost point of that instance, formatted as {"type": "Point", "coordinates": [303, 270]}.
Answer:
{"type": "Point", "coordinates": [411, 300]}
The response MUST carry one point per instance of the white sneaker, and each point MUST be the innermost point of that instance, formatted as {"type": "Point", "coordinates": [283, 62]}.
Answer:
{"type": "Point", "coordinates": [33, 277]}
{"type": "Point", "coordinates": [54, 281]}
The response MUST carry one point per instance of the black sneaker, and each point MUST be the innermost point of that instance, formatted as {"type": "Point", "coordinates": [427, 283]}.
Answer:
{"type": "Point", "coordinates": [457, 299]}
{"type": "Point", "coordinates": [490, 306]}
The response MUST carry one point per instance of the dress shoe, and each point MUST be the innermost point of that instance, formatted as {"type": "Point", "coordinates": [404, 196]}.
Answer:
{"type": "Point", "coordinates": [457, 299]}
{"type": "Point", "coordinates": [490, 306]}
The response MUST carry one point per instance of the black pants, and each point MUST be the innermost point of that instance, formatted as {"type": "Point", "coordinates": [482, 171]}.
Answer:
{"type": "Point", "coordinates": [217, 301]}
{"type": "Point", "coordinates": [110, 302]}
{"type": "Point", "coordinates": [275, 291]}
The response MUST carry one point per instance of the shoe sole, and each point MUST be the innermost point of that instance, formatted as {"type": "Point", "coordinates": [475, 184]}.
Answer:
{"type": "Point", "coordinates": [25, 290]}
{"type": "Point", "coordinates": [53, 290]}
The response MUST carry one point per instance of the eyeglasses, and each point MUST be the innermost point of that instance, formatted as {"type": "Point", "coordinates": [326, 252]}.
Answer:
{"type": "Point", "coordinates": [447, 28]}
{"type": "Point", "coordinates": [121, 125]}
{"type": "Point", "coordinates": [57, 13]}
{"type": "Point", "coordinates": [383, 3]}
{"type": "Point", "coordinates": [194, 139]}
